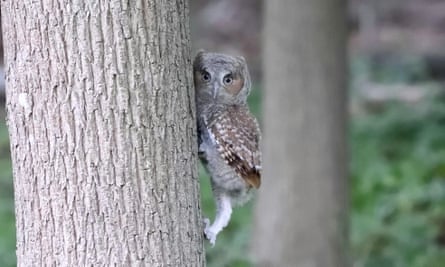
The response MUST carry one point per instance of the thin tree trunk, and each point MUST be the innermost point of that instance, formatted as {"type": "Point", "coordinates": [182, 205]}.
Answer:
{"type": "Point", "coordinates": [102, 127]}
{"type": "Point", "coordinates": [301, 214]}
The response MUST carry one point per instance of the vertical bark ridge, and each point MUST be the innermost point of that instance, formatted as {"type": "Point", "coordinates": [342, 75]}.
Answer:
{"type": "Point", "coordinates": [101, 120]}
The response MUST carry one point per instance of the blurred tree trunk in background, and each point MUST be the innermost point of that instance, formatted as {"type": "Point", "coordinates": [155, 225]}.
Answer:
{"type": "Point", "coordinates": [101, 120]}
{"type": "Point", "coordinates": [301, 213]}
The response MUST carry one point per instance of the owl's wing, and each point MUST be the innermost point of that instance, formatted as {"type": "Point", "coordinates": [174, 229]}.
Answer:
{"type": "Point", "coordinates": [237, 136]}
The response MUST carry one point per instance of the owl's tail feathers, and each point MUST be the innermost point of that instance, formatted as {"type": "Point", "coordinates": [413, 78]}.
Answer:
{"type": "Point", "coordinates": [253, 179]}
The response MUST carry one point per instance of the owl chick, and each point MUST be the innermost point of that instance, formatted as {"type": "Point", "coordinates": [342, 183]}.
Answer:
{"type": "Point", "coordinates": [228, 134]}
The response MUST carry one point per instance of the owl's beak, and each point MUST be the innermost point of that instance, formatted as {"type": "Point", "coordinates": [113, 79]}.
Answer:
{"type": "Point", "coordinates": [215, 90]}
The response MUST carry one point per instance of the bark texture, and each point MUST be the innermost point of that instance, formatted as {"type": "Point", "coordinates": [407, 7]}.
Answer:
{"type": "Point", "coordinates": [301, 213]}
{"type": "Point", "coordinates": [101, 119]}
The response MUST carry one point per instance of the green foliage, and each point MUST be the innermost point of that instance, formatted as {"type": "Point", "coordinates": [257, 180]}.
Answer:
{"type": "Point", "coordinates": [7, 226]}
{"type": "Point", "coordinates": [398, 186]}
{"type": "Point", "coordinates": [389, 69]}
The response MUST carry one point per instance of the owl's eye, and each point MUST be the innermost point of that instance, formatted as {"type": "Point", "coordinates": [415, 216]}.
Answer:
{"type": "Point", "coordinates": [228, 79]}
{"type": "Point", "coordinates": [205, 76]}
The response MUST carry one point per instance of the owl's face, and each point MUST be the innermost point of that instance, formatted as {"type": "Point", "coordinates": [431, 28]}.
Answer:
{"type": "Point", "coordinates": [220, 79]}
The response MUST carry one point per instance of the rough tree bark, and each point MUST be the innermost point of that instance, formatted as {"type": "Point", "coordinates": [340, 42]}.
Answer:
{"type": "Point", "coordinates": [101, 119]}
{"type": "Point", "coordinates": [301, 214]}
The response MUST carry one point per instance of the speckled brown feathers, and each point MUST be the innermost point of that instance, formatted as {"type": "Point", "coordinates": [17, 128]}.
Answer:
{"type": "Point", "coordinates": [236, 134]}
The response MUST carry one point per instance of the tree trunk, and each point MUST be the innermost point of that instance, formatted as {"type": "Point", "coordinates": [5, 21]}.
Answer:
{"type": "Point", "coordinates": [301, 213]}
{"type": "Point", "coordinates": [102, 126]}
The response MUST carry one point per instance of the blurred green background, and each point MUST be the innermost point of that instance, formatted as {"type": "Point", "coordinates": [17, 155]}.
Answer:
{"type": "Point", "coordinates": [396, 131]}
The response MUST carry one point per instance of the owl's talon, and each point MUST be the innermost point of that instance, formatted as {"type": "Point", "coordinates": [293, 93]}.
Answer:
{"type": "Point", "coordinates": [208, 233]}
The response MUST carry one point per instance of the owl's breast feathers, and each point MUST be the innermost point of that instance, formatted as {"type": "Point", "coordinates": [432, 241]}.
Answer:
{"type": "Point", "coordinates": [236, 135]}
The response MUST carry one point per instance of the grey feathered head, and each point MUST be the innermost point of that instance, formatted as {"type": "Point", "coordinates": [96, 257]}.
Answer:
{"type": "Point", "coordinates": [221, 78]}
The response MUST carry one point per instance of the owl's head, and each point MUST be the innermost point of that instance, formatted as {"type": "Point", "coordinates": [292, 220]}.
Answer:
{"type": "Point", "coordinates": [221, 79]}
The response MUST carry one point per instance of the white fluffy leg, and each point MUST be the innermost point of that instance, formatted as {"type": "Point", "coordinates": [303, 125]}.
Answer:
{"type": "Point", "coordinates": [222, 218]}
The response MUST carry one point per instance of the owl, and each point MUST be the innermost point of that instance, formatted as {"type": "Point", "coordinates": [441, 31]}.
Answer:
{"type": "Point", "coordinates": [228, 134]}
